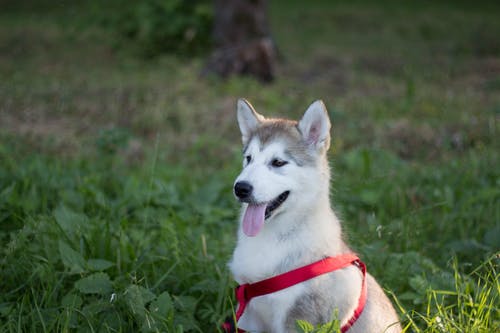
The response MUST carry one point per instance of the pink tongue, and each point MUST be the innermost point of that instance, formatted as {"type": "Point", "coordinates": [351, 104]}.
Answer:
{"type": "Point", "coordinates": [254, 219]}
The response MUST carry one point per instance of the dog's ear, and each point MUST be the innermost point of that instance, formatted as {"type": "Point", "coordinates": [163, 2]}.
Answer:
{"type": "Point", "coordinates": [248, 119]}
{"type": "Point", "coordinates": [315, 126]}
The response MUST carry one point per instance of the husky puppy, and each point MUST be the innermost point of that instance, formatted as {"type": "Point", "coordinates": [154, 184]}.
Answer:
{"type": "Point", "coordinates": [287, 222]}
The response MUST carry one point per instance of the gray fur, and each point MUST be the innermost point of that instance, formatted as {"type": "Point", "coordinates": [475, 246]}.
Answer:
{"type": "Point", "coordinates": [315, 308]}
{"type": "Point", "coordinates": [309, 307]}
{"type": "Point", "coordinates": [272, 130]}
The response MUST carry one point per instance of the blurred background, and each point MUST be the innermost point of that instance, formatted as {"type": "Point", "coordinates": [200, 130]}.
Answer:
{"type": "Point", "coordinates": [119, 146]}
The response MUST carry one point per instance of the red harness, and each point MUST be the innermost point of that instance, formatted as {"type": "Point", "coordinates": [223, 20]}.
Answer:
{"type": "Point", "coordinates": [245, 292]}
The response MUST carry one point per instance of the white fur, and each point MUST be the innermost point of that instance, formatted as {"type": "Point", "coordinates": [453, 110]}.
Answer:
{"type": "Point", "coordinates": [302, 230]}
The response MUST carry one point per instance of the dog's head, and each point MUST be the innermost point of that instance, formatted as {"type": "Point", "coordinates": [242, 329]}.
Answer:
{"type": "Point", "coordinates": [284, 161]}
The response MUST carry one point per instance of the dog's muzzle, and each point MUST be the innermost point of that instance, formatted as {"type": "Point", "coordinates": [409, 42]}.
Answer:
{"type": "Point", "coordinates": [243, 190]}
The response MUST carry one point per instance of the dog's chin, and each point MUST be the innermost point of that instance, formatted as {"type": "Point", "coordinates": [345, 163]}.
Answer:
{"type": "Point", "coordinates": [276, 203]}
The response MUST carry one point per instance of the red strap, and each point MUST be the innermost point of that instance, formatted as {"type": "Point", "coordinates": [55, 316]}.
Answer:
{"type": "Point", "coordinates": [245, 292]}
{"type": "Point", "coordinates": [361, 300]}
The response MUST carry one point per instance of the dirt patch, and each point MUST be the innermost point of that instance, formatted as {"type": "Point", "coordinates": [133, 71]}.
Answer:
{"type": "Point", "coordinates": [328, 70]}
{"type": "Point", "coordinates": [383, 66]}
{"type": "Point", "coordinates": [411, 140]}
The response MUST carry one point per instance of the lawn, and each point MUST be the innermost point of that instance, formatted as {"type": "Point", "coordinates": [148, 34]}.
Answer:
{"type": "Point", "coordinates": [116, 170]}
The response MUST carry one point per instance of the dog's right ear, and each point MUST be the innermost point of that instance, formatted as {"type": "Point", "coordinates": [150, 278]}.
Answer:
{"type": "Point", "coordinates": [248, 119]}
{"type": "Point", "coordinates": [315, 126]}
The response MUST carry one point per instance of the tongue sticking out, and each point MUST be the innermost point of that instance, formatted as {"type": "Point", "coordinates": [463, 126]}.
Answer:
{"type": "Point", "coordinates": [253, 220]}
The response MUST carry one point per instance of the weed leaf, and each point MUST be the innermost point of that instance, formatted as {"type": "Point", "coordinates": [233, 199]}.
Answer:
{"type": "Point", "coordinates": [72, 301]}
{"type": "Point", "coordinates": [370, 197]}
{"type": "Point", "coordinates": [137, 297]}
{"type": "Point", "coordinates": [185, 306]}
{"type": "Point", "coordinates": [70, 222]}
{"type": "Point", "coordinates": [304, 326]}
{"type": "Point", "coordinates": [161, 312]}
{"type": "Point", "coordinates": [71, 259]}
{"type": "Point", "coordinates": [162, 305]}
{"type": "Point", "coordinates": [99, 264]}
{"type": "Point", "coordinates": [97, 283]}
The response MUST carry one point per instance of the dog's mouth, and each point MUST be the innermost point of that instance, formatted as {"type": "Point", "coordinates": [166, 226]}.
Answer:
{"type": "Point", "coordinates": [256, 213]}
{"type": "Point", "coordinates": [273, 205]}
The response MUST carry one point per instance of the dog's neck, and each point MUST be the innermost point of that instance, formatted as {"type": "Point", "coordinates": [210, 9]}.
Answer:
{"type": "Point", "coordinates": [317, 222]}
{"type": "Point", "coordinates": [291, 239]}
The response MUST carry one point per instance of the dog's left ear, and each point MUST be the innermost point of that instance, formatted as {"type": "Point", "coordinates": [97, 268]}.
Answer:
{"type": "Point", "coordinates": [315, 126]}
{"type": "Point", "coordinates": [248, 119]}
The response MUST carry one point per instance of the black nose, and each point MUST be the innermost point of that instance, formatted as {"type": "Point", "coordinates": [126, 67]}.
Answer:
{"type": "Point", "coordinates": [243, 190]}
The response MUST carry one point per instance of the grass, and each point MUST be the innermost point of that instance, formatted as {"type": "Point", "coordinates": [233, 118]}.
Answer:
{"type": "Point", "coordinates": [116, 211]}
{"type": "Point", "coordinates": [98, 231]}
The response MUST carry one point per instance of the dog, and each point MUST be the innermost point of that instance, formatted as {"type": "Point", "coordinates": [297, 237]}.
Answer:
{"type": "Point", "coordinates": [287, 223]}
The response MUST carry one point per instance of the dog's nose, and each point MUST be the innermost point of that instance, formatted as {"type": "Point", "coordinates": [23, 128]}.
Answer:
{"type": "Point", "coordinates": [243, 190]}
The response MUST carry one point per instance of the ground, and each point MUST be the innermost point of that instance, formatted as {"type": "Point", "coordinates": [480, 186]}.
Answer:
{"type": "Point", "coordinates": [116, 169]}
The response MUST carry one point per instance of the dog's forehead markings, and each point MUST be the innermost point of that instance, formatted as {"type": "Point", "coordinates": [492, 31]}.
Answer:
{"type": "Point", "coordinates": [276, 130]}
{"type": "Point", "coordinates": [252, 145]}
{"type": "Point", "coordinates": [284, 132]}
{"type": "Point", "coordinates": [273, 129]}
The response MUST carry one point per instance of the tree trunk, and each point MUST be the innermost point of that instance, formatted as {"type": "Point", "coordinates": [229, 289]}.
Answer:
{"type": "Point", "coordinates": [243, 44]}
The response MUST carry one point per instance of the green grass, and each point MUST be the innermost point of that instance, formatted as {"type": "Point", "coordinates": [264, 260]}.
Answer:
{"type": "Point", "coordinates": [82, 232]}
{"type": "Point", "coordinates": [116, 212]}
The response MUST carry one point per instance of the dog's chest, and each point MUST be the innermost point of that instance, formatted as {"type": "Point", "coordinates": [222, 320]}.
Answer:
{"type": "Point", "coordinates": [270, 253]}
{"type": "Point", "coordinates": [256, 260]}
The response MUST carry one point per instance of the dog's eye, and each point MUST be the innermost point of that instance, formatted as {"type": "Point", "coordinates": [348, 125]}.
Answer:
{"type": "Point", "coordinates": [248, 158]}
{"type": "Point", "coordinates": [277, 163]}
